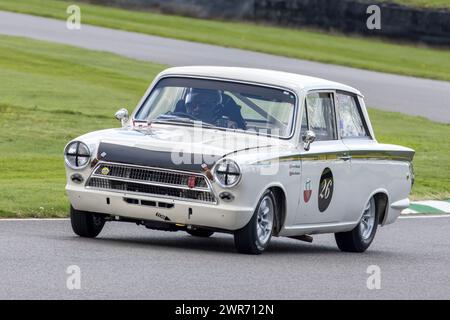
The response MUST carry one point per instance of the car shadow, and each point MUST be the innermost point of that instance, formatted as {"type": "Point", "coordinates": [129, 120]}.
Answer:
{"type": "Point", "coordinates": [223, 244]}
{"type": "Point", "coordinates": [219, 243]}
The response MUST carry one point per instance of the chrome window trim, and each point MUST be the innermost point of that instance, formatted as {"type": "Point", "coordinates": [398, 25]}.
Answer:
{"type": "Point", "coordinates": [333, 93]}
{"type": "Point", "coordinates": [368, 135]}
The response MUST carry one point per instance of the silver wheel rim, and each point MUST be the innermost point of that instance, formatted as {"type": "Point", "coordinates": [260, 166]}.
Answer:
{"type": "Point", "coordinates": [264, 222]}
{"type": "Point", "coordinates": [368, 220]}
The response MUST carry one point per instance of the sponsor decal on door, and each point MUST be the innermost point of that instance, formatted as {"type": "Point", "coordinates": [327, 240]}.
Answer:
{"type": "Point", "coordinates": [307, 192]}
{"type": "Point", "coordinates": [325, 189]}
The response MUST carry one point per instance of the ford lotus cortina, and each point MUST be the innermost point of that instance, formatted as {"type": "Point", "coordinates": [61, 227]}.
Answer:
{"type": "Point", "coordinates": [254, 153]}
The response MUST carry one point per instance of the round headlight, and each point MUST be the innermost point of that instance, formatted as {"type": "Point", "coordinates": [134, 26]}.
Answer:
{"type": "Point", "coordinates": [227, 173]}
{"type": "Point", "coordinates": [77, 155]}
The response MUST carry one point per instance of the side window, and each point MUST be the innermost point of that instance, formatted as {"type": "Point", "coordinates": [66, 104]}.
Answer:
{"type": "Point", "coordinates": [321, 120]}
{"type": "Point", "coordinates": [350, 123]}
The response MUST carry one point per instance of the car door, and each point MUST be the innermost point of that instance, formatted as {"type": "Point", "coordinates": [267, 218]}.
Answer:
{"type": "Point", "coordinates": [355, 134]}
{"type": "Point", "coordinates": [325, 166]}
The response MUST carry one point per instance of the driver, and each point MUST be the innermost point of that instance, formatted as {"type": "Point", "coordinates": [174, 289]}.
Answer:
{"type": "Point", "coordinates": [204, 104]}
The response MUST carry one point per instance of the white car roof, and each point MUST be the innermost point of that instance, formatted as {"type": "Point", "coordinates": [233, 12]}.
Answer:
{"type": "Point", "coordinates": [287, 80]}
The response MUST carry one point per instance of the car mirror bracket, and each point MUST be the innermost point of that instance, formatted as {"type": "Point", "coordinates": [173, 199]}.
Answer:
{"type": "Point", "coordinates": [308, 137]}
{"type": "Point", "coordinates": [122, 116]}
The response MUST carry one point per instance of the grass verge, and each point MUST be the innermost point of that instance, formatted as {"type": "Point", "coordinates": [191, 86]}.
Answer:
{"type": "Point", "coordinates": [49, 95]}
{"type": "Point", "coordinates": [52, 93]}
{"type": "Point", "coordinates": [422, 3]}
{"type": "Point", "coordinates": [356, 52]}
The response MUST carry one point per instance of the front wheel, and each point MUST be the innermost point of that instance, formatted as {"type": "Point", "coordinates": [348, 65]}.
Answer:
{"type": "Point", "coordinates": [360, 238]}
{"type": "Point", "coordinates": [255, 236]}
{"type": "Point", "coordinates": [86, 224]}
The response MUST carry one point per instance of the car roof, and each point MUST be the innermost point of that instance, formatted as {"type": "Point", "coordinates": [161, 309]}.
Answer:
{"type": "Point", "coordinates": [287, 80]}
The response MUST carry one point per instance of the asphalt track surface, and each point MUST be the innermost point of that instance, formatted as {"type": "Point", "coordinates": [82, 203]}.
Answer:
{"type": "Point", "coordinates": [414, 96]}
{"type": "Point", "coordinates": [131, 262]}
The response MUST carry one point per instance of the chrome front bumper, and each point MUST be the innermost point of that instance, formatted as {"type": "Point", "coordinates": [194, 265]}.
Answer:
{"type": "Point", "coordinates": [131, 205]}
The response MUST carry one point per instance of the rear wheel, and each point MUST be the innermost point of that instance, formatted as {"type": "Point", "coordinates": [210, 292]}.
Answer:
{"type": "Point", "coordinates": [360, 238]}
{"type": "Point", "coordinates": [86, 224]}
{"type": "Point", "coordinates": [200, 233]}
{"type": "Point", "coordinates": [255, 236]}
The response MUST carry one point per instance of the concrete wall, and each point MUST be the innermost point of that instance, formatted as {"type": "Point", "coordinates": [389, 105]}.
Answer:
{"type": "Point", "coordinates": [430, 26]}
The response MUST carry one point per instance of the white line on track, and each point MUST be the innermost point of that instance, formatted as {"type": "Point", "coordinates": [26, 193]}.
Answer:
{"type": "Point", "coordinates": [429, 216]}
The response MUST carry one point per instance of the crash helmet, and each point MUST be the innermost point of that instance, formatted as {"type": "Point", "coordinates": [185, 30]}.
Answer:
{"type": "Point", "coordinates": [203, 103]}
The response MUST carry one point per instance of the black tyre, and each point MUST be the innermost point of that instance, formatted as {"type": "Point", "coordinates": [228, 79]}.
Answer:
{"type": "Point", "coordinates": [86, 224]}
{"type": "Point", "coordinates": [200, 233]}
{"type": "Point", "coordinates": [255, 236]}
{"type": "Point", "coordinates": [360, 238]}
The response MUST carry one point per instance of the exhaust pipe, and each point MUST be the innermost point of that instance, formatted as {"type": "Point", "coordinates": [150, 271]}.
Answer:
{"type": "Point", "coordinates": [303, 237]}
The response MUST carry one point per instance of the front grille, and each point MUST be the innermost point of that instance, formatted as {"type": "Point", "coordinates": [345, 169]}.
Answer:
{"type": "Point", "coordinates": [150, 175]}
{"type": "Point", "coordinates": [150, 181]}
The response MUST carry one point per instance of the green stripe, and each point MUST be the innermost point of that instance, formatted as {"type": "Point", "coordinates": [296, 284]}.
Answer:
{"type": "Point", "coordinates": [356, 154]}
{"type": "Point", "coordinates": [424, 209]}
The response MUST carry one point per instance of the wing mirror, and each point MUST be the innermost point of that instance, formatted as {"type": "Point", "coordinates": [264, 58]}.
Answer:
{"type": "Point", "coordinates": [308, 138]}
{"type": "Point", "coordinates": [122, 116]}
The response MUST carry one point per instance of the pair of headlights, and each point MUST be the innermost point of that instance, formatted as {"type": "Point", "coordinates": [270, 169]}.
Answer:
{"type": "Point", "coordinates": [226, 172]}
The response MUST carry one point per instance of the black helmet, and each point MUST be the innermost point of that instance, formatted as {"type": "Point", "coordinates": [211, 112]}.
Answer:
{"type": "Point", "coordinates": [203, 103]}
{"type": "Point", "coordinates": [210, 96]}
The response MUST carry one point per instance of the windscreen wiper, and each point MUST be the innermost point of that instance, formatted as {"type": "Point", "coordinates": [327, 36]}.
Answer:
{"type": "Point", "coordinates": [181, 120]}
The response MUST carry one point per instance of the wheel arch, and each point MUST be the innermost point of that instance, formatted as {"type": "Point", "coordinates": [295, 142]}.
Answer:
{"type": "Point", "coordinates": [381, 197]}
{"type": "Point", "coordinates": [280, 197]}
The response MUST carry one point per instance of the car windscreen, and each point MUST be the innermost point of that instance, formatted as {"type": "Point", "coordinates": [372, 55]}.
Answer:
{"type": "Point", "coordinates": [220, 104]}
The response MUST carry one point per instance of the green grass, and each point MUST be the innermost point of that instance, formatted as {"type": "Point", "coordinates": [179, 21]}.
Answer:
{"type": "Point", "coordinates": [422, 3]}
{"type": "Point", "coordinates": [357, 52]}
{"type": "Point", "coordinates": [52, 93]}
{"type": "Point", "coordinates": [431, 143]}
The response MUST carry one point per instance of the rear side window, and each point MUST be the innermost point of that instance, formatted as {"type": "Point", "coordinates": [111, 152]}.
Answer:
{"type": "Point", "coordinates": [350, 120]}
{"type": "Point", "coordinates": [320, 115]}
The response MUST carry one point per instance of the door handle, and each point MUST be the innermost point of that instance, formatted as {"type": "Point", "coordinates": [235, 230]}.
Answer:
{"type": "Point", "coordinates": [345, 157]}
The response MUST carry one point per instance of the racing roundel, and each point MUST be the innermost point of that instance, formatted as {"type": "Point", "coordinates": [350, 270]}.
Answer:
{"type": "Point", "coordinates": [326, 186]}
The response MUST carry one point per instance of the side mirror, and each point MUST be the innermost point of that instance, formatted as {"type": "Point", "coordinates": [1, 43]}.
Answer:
{"type": "Point", "coordinates": [308, 138]}
{"type": "Point", "coordinates": [122, 116]}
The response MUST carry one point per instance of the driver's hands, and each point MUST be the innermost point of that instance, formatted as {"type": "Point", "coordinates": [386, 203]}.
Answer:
{"type": "Point", "coordinates": [225, 122]}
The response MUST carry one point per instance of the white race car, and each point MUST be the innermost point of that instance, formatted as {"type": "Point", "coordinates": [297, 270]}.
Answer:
{"type": "Point", "coordinates": [255, 153]}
